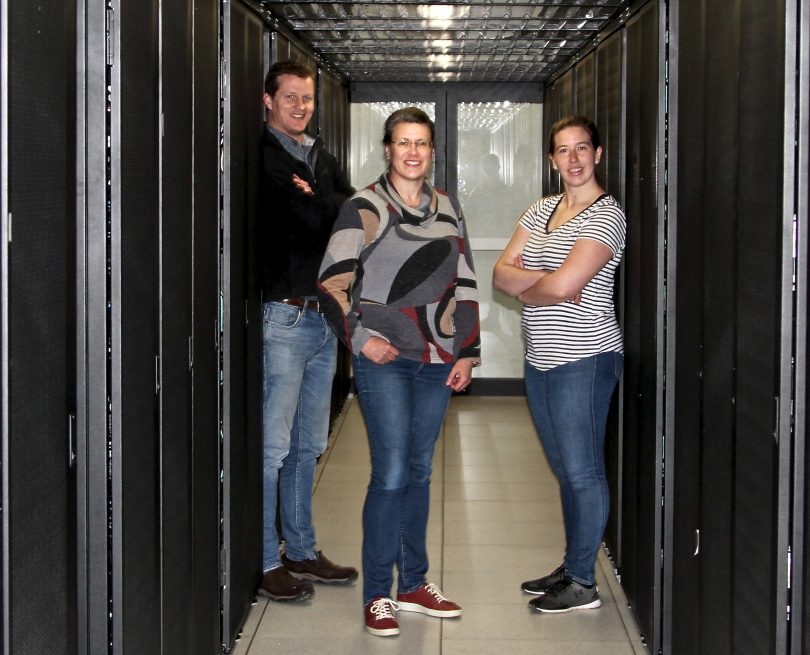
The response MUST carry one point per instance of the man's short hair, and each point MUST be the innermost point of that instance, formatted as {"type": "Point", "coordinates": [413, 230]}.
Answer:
{"type": "Point", "coordinates": [286, 67]}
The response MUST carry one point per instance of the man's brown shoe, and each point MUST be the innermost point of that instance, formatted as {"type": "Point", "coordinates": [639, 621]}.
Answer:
{"type": "Point", "coordinates": [320, 569]}
{"type": "Point", "coordinates": [281, 586]}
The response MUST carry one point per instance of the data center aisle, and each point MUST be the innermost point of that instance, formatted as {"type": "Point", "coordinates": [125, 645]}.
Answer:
{"type": "Point", "coordinates": [495, 520]}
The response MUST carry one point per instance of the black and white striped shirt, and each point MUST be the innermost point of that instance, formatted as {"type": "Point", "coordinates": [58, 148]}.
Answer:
{"type": "Point", "coordinates": [566, 332]}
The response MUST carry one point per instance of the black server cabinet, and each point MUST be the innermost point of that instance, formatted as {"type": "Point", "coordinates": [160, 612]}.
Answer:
{"type": "Point", "coordinates": [757, 292]}
{"type": "Point", "coordinates": [241, 329]}
{"type": "Point", "coordinates": [800, 600]}
{"type": "Point", "coordinates": [641, 471]}
{"type": "Point", "coordinates": [726, 521]}
{"type": "Point", "coordinates": [685, 439]}
{"type": "Point", "coordinates": [585, 89]}
{"type": "Point", "coordinates": [205, 464]}
{"type": "Point", "coordinates": [333, 108]}
{"type": "Point", "coordinates": [38, 333]}
{"type": "Point", "coordinates": [609, 118]}
{"type": "Point", "coordinates": [185, 445]}
{"type": "Point", "coordinates": [609, 114]}
{"type": "Point", "coordinates": [563, 99]}
{"type": "Point", "coordinates": [134, 325]}
{"type": "Point", "coordinates": [175, 325]}
{"type": "Point", "coordinates": [559, 103]}
{"type": "Point", "coordinates": [803, 617]}
{"type": "Point", "coordinates": [148, 359]}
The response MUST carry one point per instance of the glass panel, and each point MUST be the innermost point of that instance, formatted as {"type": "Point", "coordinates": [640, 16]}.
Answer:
{"type": "Point", "coordinates": [499, 153]}
{"type": "Point", "coordinates": [499, 150]}
{"type": "Point", "coordinates": [501, 334]}
{"type": "Point", "coordinates": [366, 154]}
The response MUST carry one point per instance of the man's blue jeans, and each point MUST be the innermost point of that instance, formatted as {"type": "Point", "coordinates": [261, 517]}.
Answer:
{"type": "Point", "coordinates": [569, 405]}
{"type": "Point", "coordinates": [404, 404]}
{"type": "Point", "coordinates": [299, 363]}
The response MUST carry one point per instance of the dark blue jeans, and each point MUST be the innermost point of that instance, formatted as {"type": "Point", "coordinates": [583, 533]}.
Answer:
{"type": "Point", "coordinates": [569, 405]}
{"type": "Point", "coordinates": [404, 404]}
{"type": "Point", "coordinates": [300, 353]}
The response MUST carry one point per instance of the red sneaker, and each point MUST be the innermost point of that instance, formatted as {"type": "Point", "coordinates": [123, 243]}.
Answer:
{"type": "Point", "coordinates": [380, 619]}
{"type": "Point", "coordinates": [428, 599]}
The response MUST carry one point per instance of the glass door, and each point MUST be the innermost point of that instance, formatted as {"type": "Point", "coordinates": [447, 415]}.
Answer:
{"type": "Point", "coordinates": [498, 177]}
{"type": "Point", "coordinates": [488, 152]}
{"type": "Point", "coordinates": [366, 153]}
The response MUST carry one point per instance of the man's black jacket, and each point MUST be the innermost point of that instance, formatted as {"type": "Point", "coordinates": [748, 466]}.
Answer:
{"type": "Point", "coordinates": [294, 227]}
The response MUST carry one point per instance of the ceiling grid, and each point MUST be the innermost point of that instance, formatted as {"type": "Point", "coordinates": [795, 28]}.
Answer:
{"type": "Point", "coordinates": [464, 41]}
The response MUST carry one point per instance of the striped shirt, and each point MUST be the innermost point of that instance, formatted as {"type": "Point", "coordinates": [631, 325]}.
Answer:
{"type": "Point", "coordinates": [566, 332]}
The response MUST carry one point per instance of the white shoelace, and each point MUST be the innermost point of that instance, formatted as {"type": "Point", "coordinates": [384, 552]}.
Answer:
{"type": "Point", "coordinates": [381, 608]}
{"type": "Point", "coordinates": [434, 591]}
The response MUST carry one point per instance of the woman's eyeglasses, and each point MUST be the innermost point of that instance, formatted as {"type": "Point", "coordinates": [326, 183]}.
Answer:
{"type": "Point", "coordinates": [407, 144]}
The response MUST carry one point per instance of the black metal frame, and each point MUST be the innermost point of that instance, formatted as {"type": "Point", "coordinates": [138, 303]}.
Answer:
{"type": "Point", "coordinates": [241, 328]}
{"type": "Point", "coordinates": [38, 328]}
{"type": "Point", "coordinates": [92, 438]}
{"type": "Point", "coordinates": [114, 377]}
{"type": "Point", "coordinates": [797, 73]}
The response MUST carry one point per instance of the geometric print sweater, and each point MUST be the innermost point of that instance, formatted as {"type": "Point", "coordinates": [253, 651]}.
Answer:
{"type": "Point", "coordinates": [403, 274]}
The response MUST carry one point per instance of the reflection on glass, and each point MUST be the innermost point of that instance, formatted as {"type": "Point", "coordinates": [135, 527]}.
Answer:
{"type": "Point", "coordinates": [366, 153]}
{"type": "Point", "coordinates": [499, 150]}
{"type": "Point", "coordinates": [501, 335]}
{"type": "Point", "coordinates": [499, 154]}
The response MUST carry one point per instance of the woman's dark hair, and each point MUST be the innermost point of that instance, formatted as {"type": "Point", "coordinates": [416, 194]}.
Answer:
{"type": "Point", "coordinates": [574, 121]}
{"type": "Point", "coordinates": [285, 67]}
{"type": "Point", "coordinates": [406, 115]}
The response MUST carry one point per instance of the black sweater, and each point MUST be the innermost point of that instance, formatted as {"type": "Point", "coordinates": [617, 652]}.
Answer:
{"type": "Point", "coordinates": [294, 227]}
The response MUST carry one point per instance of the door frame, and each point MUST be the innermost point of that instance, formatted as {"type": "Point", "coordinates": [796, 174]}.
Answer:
{"type": "Point", "coordinates": [446, 97]}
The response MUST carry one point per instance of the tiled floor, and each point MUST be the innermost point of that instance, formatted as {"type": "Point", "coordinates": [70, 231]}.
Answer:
{"type": "Point", "coordinates": [494, 521]}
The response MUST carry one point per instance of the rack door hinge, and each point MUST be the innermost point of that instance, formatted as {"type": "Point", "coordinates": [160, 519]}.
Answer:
{"type": "Point", "coordinates": [71, 452]}
{"type": "Point", "coordinates": [224, 569]}
{"type": "Point", "coordinates": [110, 36]}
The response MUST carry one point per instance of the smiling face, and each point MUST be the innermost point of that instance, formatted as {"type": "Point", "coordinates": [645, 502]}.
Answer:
{"type": "Point", "coordinates": [410, 152]}
{"type": "Point", "coordinates": [574, 156]}
{"type": "Point", "coordinates": [290, 108]}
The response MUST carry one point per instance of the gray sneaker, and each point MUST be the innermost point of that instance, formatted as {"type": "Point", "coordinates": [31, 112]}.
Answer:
{"type": "Point", "coordinates": [567, 596]}
{"type": "Point", "coordinates": [541, 585]}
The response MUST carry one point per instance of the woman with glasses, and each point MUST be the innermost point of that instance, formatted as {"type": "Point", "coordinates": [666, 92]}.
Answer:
{"type": "Point", "coordinates": [398, 288]}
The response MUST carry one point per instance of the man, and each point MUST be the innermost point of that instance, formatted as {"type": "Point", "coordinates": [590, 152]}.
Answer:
{"type": "Point", "coordinates": [301, 189]}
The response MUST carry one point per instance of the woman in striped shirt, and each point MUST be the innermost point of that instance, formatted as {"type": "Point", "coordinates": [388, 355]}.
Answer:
{"type": "Point", "coordinates": [560, 263]}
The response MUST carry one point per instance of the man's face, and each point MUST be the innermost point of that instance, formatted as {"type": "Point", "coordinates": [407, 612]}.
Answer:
{"type": "Point", "coordinates": [292, 105]}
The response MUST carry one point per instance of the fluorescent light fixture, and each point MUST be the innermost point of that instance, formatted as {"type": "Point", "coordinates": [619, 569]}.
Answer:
{"type": "Point", "coordinates": [442, 61]}
{"type": "Point", "coordinates": [439, 17]}
{"type": "Point", "coordinates": [440, 44]}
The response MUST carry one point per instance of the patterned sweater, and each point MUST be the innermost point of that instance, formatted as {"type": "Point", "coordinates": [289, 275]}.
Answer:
{"type": "Point", "coordinates": [402, 274]}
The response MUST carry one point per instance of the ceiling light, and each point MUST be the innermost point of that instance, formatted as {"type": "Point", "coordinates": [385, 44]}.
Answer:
{"type": "Point", "coordinates": [439, 17]}
{"type": "Point", "coordinates": [441, 44]}
{"type": "Point", "coordinates": [442, 61]}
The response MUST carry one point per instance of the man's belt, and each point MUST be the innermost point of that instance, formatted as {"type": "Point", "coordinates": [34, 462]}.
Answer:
{"type": "Point", "coordinates": [303, 303]}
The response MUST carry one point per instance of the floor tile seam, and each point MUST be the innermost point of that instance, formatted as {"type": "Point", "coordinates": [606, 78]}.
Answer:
{"type": "Point", "coordinates": [467, 636]}
{"type": "Point", "coordinates": [442, 541]}
{"type": "Point", "coordinates": [629, 623]}
{"type": "Point", "coordinates": [443, 482]}
{"type": "Point", "coordinates": [257, 626]}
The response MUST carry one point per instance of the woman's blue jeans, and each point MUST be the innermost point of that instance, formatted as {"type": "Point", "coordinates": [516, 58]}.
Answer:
{"type": "Point", "coordinates": [404, 404]}
{"type": "Point", "coordinates": [569, 405]}
{"type": "Point", "coordinates": [300, 352]}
